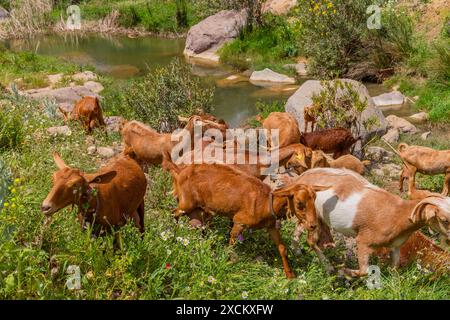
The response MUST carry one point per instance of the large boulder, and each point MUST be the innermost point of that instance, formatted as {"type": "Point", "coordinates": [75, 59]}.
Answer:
{"type": "Point", "coordinates": [278, 7]}
{"type": "Point", "coordinates": [211, 33]}
{"type": "Point", "coordinates": [61, 95]}
{"type": "Point", "coordinates": [303, 97]}
{"type": "Point", "coordinates": [400, 124]}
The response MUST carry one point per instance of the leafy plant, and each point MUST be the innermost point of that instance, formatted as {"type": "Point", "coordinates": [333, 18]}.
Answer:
{"type": "Point", "coordinates": [163, 95]}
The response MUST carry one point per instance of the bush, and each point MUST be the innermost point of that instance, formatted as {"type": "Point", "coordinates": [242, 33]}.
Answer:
{"type": "Point", "coordinates": [273, 43]}
{"type": "Point", "coordinates": [11, 129]}
{"type": "Point", "coordinates": [334, 33]}
{"type": "Point", "coordinates": [163, 95]}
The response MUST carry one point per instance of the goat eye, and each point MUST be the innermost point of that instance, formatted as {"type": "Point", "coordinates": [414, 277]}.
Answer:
{"type": "Point", "coordinates": [300, 206]}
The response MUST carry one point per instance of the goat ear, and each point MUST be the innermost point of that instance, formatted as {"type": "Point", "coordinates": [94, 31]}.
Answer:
{"type": "Point", "coordinates": [285, 191]}
{"type": "Point", "coordinates": [424, 211]}
{"type": "Point", "coordinates": [100, 178]}
{"type": "Point", "coordinates": [59, 161]}
{"type": "Point", "coordinates": [300, 157]}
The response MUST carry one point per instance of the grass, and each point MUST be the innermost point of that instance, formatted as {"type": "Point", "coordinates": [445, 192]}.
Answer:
{"type": "Point", "coordinates": [32, 69]}
{"type": "Point", "coordinates": [271, 45]}
{"type": "Point", "coordinates": [171, 261]}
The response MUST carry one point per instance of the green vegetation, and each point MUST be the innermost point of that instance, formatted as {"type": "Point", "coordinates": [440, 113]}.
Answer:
{"type": "Point", "coordinates": [171, 260]}
{"type": "Point", "coordinates": [273, 44]}
{"type": "Point", "coordinates": [161, 96]}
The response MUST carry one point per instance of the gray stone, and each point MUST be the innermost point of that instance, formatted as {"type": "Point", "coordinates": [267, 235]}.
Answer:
{"type": "Point", "coordinates": [114, 123]}
{"type": "Point", "coordinates": [391, 136]}
{"type": "Point", "coordinates": [278, 7]}
{"type": "Point", "coordinates": [62, 130]}
{"type": "Point", "coordinates": [378, 154]}
{"type": "Point", "coordinates": [303, 97]}
{"type": "Point", "coordinates": [84, 76]}
{"type": "Point", "coordinates": [3, 13]}
{"type": "Point", "coordinates": [401, 124]}
{"type": "Point", "coordinates": [106, 152]}
{"type": "Point", "coordinates": [54, 78]}
{"type": "Point", "coordinates": [69, 95]}
{"type": "Point", "coordinates": [419, 117]}
{"type": "Point", "coordinates": [214, 31]}
{"type": "Point", "coordinates": [268, 75]}
{"type": "Point", "coordinates": [91, 150]}
{"type": "Point", "coordinates": [424, 136]}
{"type": "Point", "coordinates": [95, 87]}
{"type": "Point", "coordinates": [300, 68]}
{"type": "Point", "coordinates": [389, 99]}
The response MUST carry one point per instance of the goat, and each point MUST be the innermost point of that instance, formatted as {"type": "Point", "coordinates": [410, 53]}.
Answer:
{"type": "Point", "coordinates": [419, 247]}
{"type": "Point", "coordinates": [310, 114]}
{"type": "Point", "coordinates": [147, 145]}
{"type": "Point", "coordinates": [212, 187]}
{"type": "Point", "coordinates": [88, 111]}
{"type": "Point", "coordinates": [105, 199]}
{"type": "Point", "coordinates": [348, 161]}
{"type": "Point", "coordinates": [337, 141]}
{"type": "Point", "coordinates": [289, 132]}
{"type": "Point", "coordinates": [377, 218]}
{"type": "Point", "coordinates": [426, 161]}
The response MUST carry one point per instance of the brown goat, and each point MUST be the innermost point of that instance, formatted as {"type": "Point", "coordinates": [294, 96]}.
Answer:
{"type": "Point", "coordinates": [147, 145]}
{"type": "Point", "coordinates": [88, 112]}
{"type": "Point", "coordinates": [337, 141]}
{"type": "Point", "coordinates": [289, 132]}
{"type": "Point", "coordinates": [105, 199]}
{"type": "Point", "coordinates": [426, 161]}
{"type": "Point", "coordinates": [348, 161]}
{"type": "Point", "coordinates": [309, 114]}
{"type": "Point", "coordinates": [419, 247]}
{"type": "Point", "coordinates": [212, 187]}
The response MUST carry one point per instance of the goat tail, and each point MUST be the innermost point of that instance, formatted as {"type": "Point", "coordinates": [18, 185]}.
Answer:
{"type": "Point", "coordinates": [168, 165]}
{"type": "Point", "coordinates": [401, 147]}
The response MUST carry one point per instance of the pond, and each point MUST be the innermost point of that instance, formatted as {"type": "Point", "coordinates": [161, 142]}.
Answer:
{"type": "Point", "coordinates": [122, 57]}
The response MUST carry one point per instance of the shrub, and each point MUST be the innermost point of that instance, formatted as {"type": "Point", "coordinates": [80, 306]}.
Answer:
{"type": "Point", "coordinates": [163, 95]}
{"type": "Point", "coordinates": [340, 106]}
{"type": "Point", "coordinates": [334, 33]}
{"type": "Point", "coordinates": [11, 128]}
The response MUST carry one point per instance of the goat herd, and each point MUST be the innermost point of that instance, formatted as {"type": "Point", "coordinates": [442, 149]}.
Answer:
{"type": "Point", "coordinates": [323, 193]}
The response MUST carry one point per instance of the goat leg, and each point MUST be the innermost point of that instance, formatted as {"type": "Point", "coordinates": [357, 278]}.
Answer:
{"type": "Point", "coordinates": [296, 239]}
{"type": "Point", "coordinates": [235, 232]}
{"type": "Point", "coordinates": [364, 252]}
{"type": "Point", "coordinates": [276, 238]}
{"type": "Point", "coordinates": [412, 178]}
{"type": "Point", "coordinates": [395, 258]}
{"type": "Point", "coordinates": [312, 239]}
{"type": "Point", "coordinates": [445, 191]}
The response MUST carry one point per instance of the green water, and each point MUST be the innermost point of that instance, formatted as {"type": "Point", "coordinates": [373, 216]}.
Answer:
{"type": "Point", "coordinates": [122, 57]}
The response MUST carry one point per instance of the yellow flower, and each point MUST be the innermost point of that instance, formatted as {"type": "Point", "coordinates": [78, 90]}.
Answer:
{"type": "Point", "coordinates": [330, 5]}
{"type": "Point", "coordinates": [16, 181]}
{"type": "Point", "coordinates": [13, 199]}
{"type": "Point", "coordinates": [13, 190]}
{"type": "Point", "coordinates": [6, 205]}
{"type": "Point", "coordinates": [13, 206]}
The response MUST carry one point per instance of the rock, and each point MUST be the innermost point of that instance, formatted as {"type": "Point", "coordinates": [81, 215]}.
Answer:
{"type": "Point", "coordinates": [378, 154]}
{"type": "Point", "coordinates": [54, 78]}
{"type": "Point", "coordinates": [62, 130]}
{"type": "Point", "coordinates": [114, 123]}
{"type": "Point", "coordinates": [90, 140]}
{"type": "Point", "coordinates": [67, 107]}
{"type": "Point", "coordinates": [61, 95]}
{"type": "Point", "coordinates": [231, 80]}
{"type": "Point", "coordinates": [419, 117]}
{"type": "Point", "coordinates": [106, 152]}
{"type": "Point", "coordinates": [401, 124]}
{"type": "Point", "coordinates": [390, 170]}
{"type": "Point", "coordinates": [267, 75]}
{"type": "Point", "coordinates": [84, 76]}
{"type": "Point", "coordinates": [213, 32]}
{"type": "Point", "coordinates": [91, 150]}
{"type": "Point", "coordinates": [3, 13]}
{"type": "Point", "coordinates": [278, 7]}
{"type": "Point", "coordinates": [94, 86]}
{"type": "Point", "coordinates": [391, 136]}
{"type": "Point", "coordinates": [303, 97]}
{"type": "Point", "coordinates": [389, 99]}
{"type": "Point", "coordinates": [424, 136]}
{"type": "Point", "coordinates": [300, 68]}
